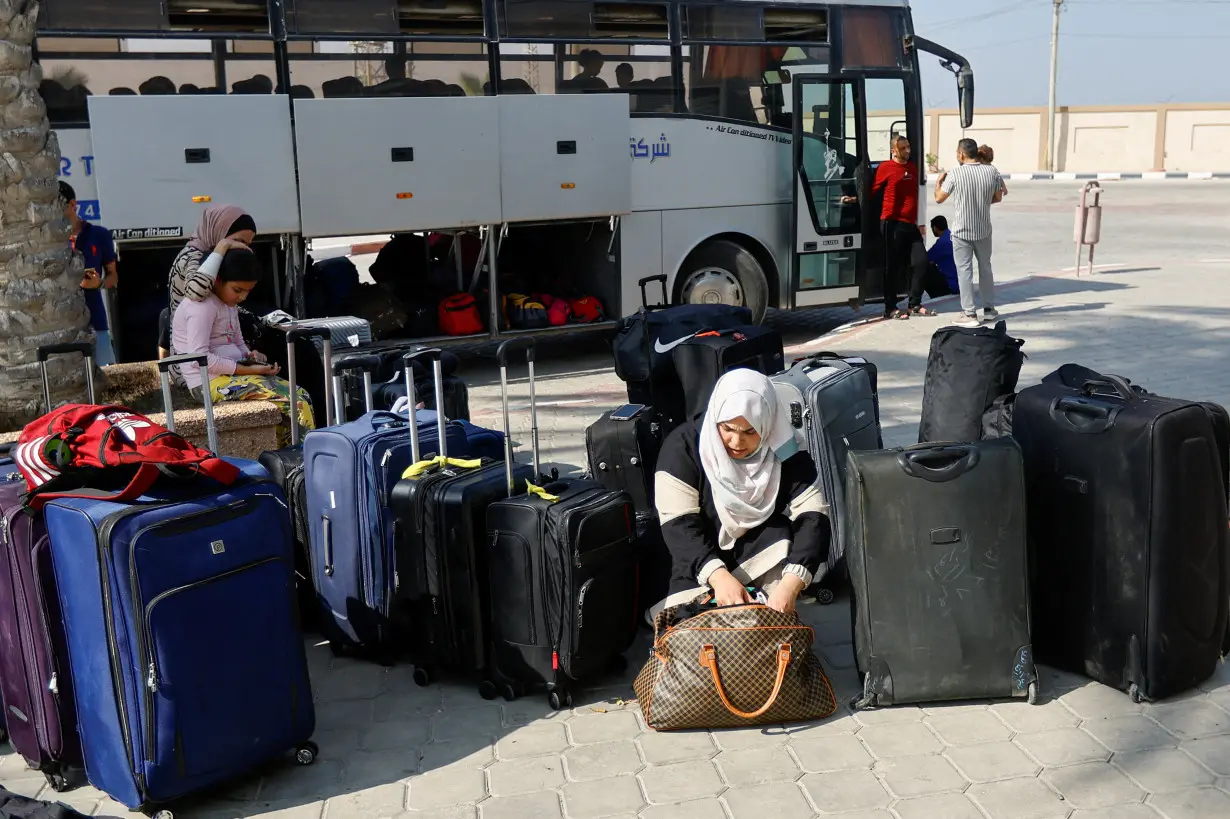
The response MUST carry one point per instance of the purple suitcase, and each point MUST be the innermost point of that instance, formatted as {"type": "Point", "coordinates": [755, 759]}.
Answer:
{"type": "Point", "coordinates": [38, 699]}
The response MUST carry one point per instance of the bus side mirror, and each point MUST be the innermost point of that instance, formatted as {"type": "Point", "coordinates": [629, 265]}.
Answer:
{"type": "Point", "coordinates": [965, 98]}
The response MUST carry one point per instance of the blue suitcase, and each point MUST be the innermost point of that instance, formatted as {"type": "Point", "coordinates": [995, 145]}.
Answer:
{"type": "Point", "coordinates": [182, 635]}
{"type": "Point", "coordinates": [350, 469]}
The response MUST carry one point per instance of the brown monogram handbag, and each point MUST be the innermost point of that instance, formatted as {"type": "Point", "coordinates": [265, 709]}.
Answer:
{"type": "Point", "coordinates": [729, 667]}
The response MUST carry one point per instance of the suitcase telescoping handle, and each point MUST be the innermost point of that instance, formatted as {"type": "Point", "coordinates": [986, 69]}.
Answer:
{"type": "Point", "coordinates": [953, 461]}
{"type": "Point", "coordinates": [368, 364]}
{"type": "Point", "coordinates": [432, 354]}
{"type": "Point", "coordinates": [84, 348]}
{"type": "Point", "coordinates": [644, 283]}
{"type": "Point", "coordinates": [292, 375]}
{"type": "Point", "coordinates": [164, 374]}
{"type": "Point", "coordinates": [502, 357]}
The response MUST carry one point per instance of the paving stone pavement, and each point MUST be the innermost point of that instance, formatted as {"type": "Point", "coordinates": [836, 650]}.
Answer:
{"type": "Point", "coordinates": [391, 749]}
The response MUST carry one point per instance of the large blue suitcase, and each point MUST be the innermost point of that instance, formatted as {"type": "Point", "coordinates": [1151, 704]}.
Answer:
{"type": "Point", "coordinates": [180, 617]}
{"type": "Point", "coordinates": [350, 469]}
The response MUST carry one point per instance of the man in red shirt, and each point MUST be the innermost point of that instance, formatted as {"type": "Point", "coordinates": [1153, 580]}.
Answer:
{"type": "Point", "coordinates": [905, 262]}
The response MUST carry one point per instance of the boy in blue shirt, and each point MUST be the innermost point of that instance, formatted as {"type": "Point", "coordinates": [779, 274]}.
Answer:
{"type": "Point", "coordinates": [941, 278]}
{"type": "Point", "coordinates": [95, 244]}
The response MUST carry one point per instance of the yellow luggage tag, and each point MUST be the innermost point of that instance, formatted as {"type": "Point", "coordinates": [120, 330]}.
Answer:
{"type": "Point", "coordinates": [540, 492]}
{"type": "Point", "coordinates": [414, 470]}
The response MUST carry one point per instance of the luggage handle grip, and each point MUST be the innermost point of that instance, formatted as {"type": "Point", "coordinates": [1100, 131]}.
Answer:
{"type": "Point", "coordinates": [644, 285]}
{"type": "Point", "coordinates": [328, 538]}
{"type": "Point", "coordinates": [1120, 384]}
{"type": "Point", "coordinates": [164, 375]}
{"type": "Point", "coordinates": [914, 461]}
{"type": "Point", "coordinates": [1101, 417]}
{"type": "Point", "coordinates": [431, 354]}
{"type": "Point", "coordinates": [293, 334]}
{"type": "Point", "coordinates": [708, 659]}
{"type": "Point", "coordinates": [501, 356]}
{"type": "Point", "coordinates": [85, 348]}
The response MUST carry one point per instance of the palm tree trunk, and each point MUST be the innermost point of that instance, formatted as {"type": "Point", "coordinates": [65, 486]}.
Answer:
{"type": "Point", "coordinates": [40, 277]}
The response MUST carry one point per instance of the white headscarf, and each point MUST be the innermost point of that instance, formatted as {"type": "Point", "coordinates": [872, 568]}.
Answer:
{"type": "Point", "coordinates": [745, 491]}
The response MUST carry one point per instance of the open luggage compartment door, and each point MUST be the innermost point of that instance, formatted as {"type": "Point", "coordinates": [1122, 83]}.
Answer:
{"type": "Point", "coordinates": [830, 167]}
{"type": "Point", "coordinates": [160, 161]}
{"type": "Point", "coordinates": [564, 156]}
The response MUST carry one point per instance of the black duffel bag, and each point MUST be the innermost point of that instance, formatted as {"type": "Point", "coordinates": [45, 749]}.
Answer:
{"type": "Point", "coordinates": [967, 369]}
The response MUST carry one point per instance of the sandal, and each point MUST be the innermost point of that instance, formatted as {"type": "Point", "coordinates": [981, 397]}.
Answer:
{"type": "Point", "coordinates": [923, 311]}
{"type": "Point", "coordinates": [901, 315]}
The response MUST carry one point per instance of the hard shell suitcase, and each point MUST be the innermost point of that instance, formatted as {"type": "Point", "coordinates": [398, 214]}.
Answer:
{"type": "Point", "coordinates": [833, 401]}
{"type": "Point", "coordinates": [622, 448]}
{"type": "Point", "coordinates": [349, 470]}
{"type": "Point", "coordinates": [1129, 555]}
{"type": "Point", "coordinates": [285, 466]}
{"type": "Point", "coordinates": [936, 553]}
{"type": "Point", "coordinates": [441, 535]}
{"type": "Point", "coordinates": [563, 568]}
{"type": "Point", "coordinates": [34, 675]}
{"type": "Point", "coordinates": [967, 369]}
{"type": "Point", "coordinates": [703, 358]}
{"type": "Point", "coordinates": [179, 611]}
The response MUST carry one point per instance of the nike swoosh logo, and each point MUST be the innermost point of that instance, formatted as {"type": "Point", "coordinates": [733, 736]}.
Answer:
{"type": "Point", "coordinates": [661, 349]}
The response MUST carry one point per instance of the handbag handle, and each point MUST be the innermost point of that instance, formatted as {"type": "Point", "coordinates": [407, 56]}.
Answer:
{"type": "Point", "coordinates": [708, 659]}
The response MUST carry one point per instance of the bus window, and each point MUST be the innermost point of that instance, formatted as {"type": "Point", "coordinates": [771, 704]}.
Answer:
{"type": "Point", "coordinates": [383, 69]}
{"type": "Point", "coordinates": [580, 20]}
{"type": "Point", "coordinates": [76, 68]}
{"type": "Point", "coordinates": [642, 71]}
{"type": "Point", "coordinates": [744, 82]}
{"type": "Point", "coordinates": [886, 118]}
{"type": "Point", "coordinates": [871, 38]}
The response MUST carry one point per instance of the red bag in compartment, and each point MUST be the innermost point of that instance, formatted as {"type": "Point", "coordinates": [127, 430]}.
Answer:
{"type": "Point", "coordinates": [586, 310]}
{"type": "Point", "coordinates": [558, 310]}
{"type": "Point", "coordinates": [459, 316]}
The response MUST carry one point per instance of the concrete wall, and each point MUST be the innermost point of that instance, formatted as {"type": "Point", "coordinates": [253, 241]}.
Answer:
{"type": "Point", "coordinates": [1177, 137]}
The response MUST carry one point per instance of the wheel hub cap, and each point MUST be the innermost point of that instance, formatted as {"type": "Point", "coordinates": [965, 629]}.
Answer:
{"type": "Point", "coordinates": [712, 285]}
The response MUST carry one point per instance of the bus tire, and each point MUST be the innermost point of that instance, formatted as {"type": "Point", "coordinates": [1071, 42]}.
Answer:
{"type": "Point", "coordinates": [724, 272]}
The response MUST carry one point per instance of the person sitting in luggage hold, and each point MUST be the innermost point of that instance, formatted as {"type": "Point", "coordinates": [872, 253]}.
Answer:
{"type": "Point", "coordinates": [738, 501]}
{"type": "Point", "coordinates": [211, 326]}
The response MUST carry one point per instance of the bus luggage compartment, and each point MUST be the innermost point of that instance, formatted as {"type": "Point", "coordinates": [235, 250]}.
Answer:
{"type": "Point", "coordinates": [397, 164]}
{"type": "Point", "coordinates": [564, 156]}
{"type": "Point", "coordinates": [161, 160]}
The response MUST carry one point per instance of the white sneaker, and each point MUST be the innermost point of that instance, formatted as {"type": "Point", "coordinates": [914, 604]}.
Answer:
{"type": "Point", "coordinates": [967, 321]}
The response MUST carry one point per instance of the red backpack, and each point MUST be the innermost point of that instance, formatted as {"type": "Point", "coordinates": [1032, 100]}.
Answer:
{"type": "Point", "coordinates": [106, 453]}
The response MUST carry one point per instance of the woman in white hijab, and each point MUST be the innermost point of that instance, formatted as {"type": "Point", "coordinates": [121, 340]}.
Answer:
{"type": "Point", "coordinates": [738, 501]}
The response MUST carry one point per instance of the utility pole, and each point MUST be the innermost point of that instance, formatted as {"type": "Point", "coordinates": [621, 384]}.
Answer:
{"type": "Point", "coordinates": [1052, 141]}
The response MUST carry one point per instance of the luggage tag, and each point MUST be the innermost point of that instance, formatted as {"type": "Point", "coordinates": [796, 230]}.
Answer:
{"type": "Point", "coordinates": [531, 489]}
{"type": "Point", "coordinates": [414, 470]}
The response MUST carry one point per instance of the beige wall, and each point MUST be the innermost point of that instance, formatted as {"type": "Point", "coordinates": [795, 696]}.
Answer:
{"type": "Point", "coordinates": [1193, 137]}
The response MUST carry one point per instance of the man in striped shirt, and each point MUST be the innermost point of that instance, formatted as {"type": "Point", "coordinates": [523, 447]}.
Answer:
{"type": "Point", "coordinates": [973, 188]}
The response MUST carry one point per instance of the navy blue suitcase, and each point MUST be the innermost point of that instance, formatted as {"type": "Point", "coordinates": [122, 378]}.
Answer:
{"type": "Point", "coordinates": [182, 634]}
{"type": "Point", "coordinates": [350, 470]}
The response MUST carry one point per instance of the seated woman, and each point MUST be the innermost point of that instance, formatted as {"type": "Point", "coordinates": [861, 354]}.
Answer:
{"type": "Point", "coordinates": [236, 373]}
{"type": "Point", "coordinates": [738, 501]}
{"type": "Point", "coordinates": [222, 228]}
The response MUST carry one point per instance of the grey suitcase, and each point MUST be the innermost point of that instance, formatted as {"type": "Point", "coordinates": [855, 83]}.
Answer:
{"type": "Point", "coordinates": [939, 570]}
{"type": "Point", "coordinates": [833, 402]}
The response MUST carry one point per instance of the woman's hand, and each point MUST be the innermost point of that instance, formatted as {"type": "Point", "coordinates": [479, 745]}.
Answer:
{"type": "Point", "coordinates": [227, 244]}
{"type": "Point", "coordinates": [728, 591]}
{"type": "Point", "coordinates": [786, 594]}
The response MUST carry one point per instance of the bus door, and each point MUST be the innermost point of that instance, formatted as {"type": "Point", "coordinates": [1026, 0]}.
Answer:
{"type": "Point", "coordinates": [830, 182]}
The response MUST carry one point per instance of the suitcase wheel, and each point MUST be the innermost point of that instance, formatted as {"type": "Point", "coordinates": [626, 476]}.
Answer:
{"type": "Point", "coordinates": [58, 782]}
{"type": "Point", "coordinates": [558, 701]}
{"type": "Point", "coordinates": [509, 692]}
{"type": "Point", "coordinates": [306, 753]}
{"type": "Point", "coordinates": [825, 596]}
{"type": "Point", "coordinates": [1032, 695]}
{"type": "Point", "coordinates": [163, 814]}
{"type": "Point", "coordinates": [422, 677]}
{"type": "Point", "coordinates": [488, 690]}
{"type": "Point", "coordinates": [1134, 693]}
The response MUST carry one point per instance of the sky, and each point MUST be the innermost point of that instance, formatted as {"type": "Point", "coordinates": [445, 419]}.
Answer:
{"type": "Point", "coordinates": [1111, 52]}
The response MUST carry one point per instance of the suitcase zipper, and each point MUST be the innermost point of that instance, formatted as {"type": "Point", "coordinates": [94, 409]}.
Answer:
{"type": "Point", "coordinates": [147, 652]}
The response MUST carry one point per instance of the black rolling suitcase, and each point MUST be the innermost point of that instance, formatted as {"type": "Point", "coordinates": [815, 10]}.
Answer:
{"type": "Point", "coordinates": [440, 542]}
{"type": "Point", "coordinates": [285, 466]}
{"type": "Point", "coordinates": [937, 560]}
{"type": "Point", "coordinates": [967, 369]}
{"type": "Point", "coordinates": [389, 383]}
{"type": "Point", "coordinates": [622, 448]}
{"type": "Point", "coordinates": [1129, 549]}
{"type": "Point", "coordinates": [706, 356]}
{"type": "Point", "coordinates": [563, 568]}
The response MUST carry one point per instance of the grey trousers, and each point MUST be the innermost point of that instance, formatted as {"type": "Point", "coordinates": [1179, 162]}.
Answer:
{"type": "Point", "coordinates": [964, 252]}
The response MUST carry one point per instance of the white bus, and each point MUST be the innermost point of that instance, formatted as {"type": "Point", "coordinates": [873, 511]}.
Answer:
{"type": "Point", "coordinates": [584, 145]}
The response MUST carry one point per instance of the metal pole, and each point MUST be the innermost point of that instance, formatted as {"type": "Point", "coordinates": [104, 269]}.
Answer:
{"type": "Point", "coordinates": [1052, 163]}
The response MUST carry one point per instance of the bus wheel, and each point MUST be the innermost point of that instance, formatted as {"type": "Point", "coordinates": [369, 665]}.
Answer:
{"type": "Point", "coordinates": [724, 272]}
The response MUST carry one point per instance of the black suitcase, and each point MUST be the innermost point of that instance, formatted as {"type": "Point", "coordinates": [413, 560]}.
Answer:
{"type": "Point", "coordinates": [622, 448]}
{"type": "Point", "coordinates": [1129, 549]}
{"type": "Point", "coordinates": [708, 355]}
{"type": "Point", "coordinates": [389, 383]}
{"type": "Point", "coordinates": [563, 568]}
{"type": "Point", "coordinates": [937, 561]}
{"type": "Point", "coordinates": [285, 466]}
{"type": "Point", "coordinates": [440, 529]}
{"type": "Point", "coordinates": [967, 369]}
